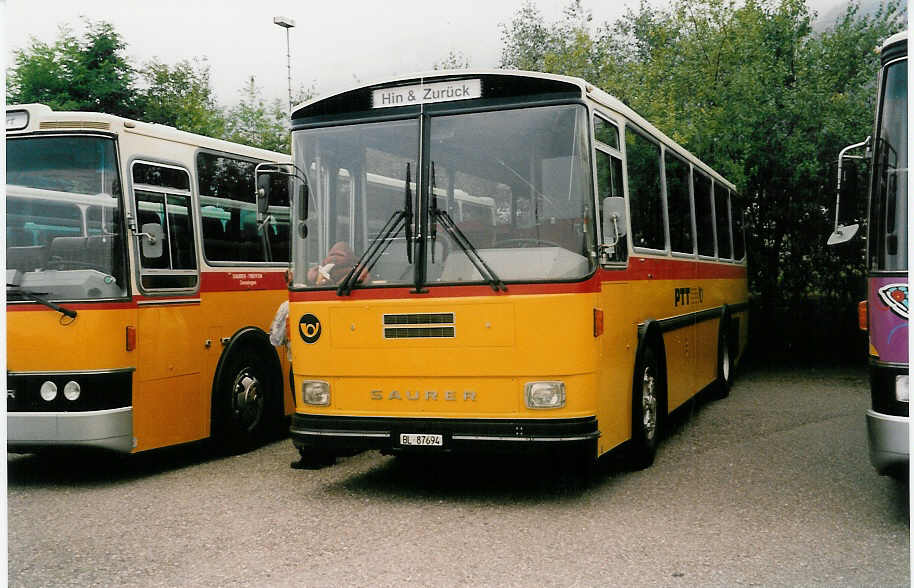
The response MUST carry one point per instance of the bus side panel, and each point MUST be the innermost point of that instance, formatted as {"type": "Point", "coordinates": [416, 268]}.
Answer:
{"type": "Point", "coordinates": [249, 308]}
{"type": "Point", "coordinates": [169, 407]}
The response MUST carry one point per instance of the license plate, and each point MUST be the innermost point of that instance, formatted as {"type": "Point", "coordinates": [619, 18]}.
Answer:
{"type": "Point", "coordinates": [421, 439]}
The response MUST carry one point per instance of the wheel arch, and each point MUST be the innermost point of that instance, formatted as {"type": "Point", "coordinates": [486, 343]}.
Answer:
{"type": "Point", "coordinates": [650, 335]}
{"type": "Point", "coordinates": [260, 341]}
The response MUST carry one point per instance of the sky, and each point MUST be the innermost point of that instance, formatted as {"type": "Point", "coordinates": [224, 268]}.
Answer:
{"type": "Point", "coordinates": [334, 45]}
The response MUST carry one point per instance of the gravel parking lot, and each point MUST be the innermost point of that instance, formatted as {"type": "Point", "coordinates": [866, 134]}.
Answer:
{"type": "Point", "coordinates": [771, 486]}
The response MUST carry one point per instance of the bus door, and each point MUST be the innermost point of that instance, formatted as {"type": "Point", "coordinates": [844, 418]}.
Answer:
{"type": "Point", "coordinates": [170, 403]}
{"type": "Point", "coordinates": [614, 300]}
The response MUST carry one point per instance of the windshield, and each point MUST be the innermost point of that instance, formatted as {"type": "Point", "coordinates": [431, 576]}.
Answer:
{"type": "Point", "coordinates": [889, 208]}
{"type": "Point", "coordinates": [515, 184]}
{"type": "Point", "coordinates": [63, 229]}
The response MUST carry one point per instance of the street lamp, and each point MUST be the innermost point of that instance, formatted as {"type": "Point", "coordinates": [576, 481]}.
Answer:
{"type": "Point", "coordinates": [287, 23]}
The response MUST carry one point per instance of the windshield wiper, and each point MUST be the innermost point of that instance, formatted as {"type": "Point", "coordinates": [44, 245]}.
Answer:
{"type": "Point", "coordinates": [36, 298]}
{"type": "Point", "coordinates": [380, 244]}
{"type": "Point", "coordinates": [472, 254]}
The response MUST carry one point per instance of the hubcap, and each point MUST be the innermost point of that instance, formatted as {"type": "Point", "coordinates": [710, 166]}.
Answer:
{"type": "Point", "coordinates": [649, 403]}
{"type": "Point", "coordinates": [248, 399]}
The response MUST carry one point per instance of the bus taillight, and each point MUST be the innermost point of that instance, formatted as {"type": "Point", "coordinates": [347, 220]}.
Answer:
{"type": "Point", "coordinates": [861, 315]}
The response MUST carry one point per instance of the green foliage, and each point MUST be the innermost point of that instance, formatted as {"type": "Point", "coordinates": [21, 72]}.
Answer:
{"type": "Point", "coordinates": [90, 74]}
{"type": "Point", "coordinates": [454, 60]}
{"type": "Point", "coordinates": [181, 96]}
{"type": "Point", "coordinates": [751, 89]}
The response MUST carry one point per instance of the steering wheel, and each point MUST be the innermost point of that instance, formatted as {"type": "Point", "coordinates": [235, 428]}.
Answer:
{"type": "Point", "coordinates": [526, 242]}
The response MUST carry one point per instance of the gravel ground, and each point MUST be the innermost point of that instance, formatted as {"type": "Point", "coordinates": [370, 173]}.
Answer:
{"type": "Point", "coordinates": [771, 486]}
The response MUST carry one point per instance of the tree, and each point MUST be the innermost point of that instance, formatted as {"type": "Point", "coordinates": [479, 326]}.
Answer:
{"type": "Point", "coordinates": [89, 74]}
{"type": "Point", "coordinates": [454, 60]}
{"type": "Point", "coordinates": [752, 90]}
{"type": "Point", "coordinates": [181, 96]}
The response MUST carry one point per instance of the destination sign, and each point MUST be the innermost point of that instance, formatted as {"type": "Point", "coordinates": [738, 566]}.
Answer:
{"type": "Point", "coordinates": [426, 93]}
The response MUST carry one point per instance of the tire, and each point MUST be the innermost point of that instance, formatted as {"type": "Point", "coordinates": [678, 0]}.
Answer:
{"type": "Point", "coordinates": [244, 402]}
{"type": "Point", "coordinates": [647, 402]}
{"type": "Point", "coordinates": [724, 360]}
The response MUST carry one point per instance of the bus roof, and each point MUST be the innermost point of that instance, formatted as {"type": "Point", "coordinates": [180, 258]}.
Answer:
{"type": "Point", "coordinates": [585, 89]}
{"type": "Point", "coordinates": [41, 117]}
{"type": "Point", "coordinates": [896, 38]}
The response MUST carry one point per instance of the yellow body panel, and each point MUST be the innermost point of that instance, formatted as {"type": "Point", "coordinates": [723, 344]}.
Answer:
{"type": "Point", "coordinates": [501, 343]}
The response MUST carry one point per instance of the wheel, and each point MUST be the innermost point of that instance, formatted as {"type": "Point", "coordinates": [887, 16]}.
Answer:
{"type": "Point", "coordinates": [245, 401]}
{"type": "Point", "coordinates": [646, 407]}
{"type": "Point", "coordinates": [724, 361]}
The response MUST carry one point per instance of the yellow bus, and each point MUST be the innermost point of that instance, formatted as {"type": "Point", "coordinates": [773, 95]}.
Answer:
{"type": "Point", "coordinates": [140, 286]}
{"type": "Point", "coordinates": [604, 288]}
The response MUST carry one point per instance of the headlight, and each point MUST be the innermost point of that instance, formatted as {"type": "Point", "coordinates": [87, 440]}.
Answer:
{"type": "Point", "coordinates": [71, 390]}
{"type": "Point", "coordinates": [545, 394]}
{"type": "Point", "coordinates": [315, 393]}
{"type": "Point", "coordinates": [901, 388]}
{"type": "Point", "coordinates": [48, 391]}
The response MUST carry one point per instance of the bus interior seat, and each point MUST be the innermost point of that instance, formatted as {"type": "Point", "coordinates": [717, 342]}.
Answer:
{"type": "Point", "coordinates": [216, 244]}
{"type": "Point", "coordinates": [26, 258]}
{"type": "Point", "coordinates": [95, 252]}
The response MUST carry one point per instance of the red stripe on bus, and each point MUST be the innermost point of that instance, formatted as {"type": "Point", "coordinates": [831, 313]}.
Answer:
{"type": "Point", "coordinates": [640, 268]}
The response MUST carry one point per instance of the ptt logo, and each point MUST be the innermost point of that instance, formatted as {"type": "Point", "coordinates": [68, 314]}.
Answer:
{"type": "Point", "coordinates": [309, 328]}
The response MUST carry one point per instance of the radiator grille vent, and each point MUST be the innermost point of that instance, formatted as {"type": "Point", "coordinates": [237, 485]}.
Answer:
{"type": "Point", "coordinates": [435, 325]}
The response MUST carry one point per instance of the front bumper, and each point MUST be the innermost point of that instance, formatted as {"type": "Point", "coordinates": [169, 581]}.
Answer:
{"type": "Point", "coordinates": [888, 441]}
{"type": "Point", "coordinates": [459, 435]}
{"type": "Point", "coordinates": [110, 429]}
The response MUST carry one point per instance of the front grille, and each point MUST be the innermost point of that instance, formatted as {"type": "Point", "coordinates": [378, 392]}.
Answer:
{"type": "Point", "coordinates": [431, 325]}
{"type": "Point", "coordinates": [100, 390]}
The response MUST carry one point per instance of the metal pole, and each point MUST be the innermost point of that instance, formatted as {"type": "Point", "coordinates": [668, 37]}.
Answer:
{"type": "Point", "coordinates": [289, 66]}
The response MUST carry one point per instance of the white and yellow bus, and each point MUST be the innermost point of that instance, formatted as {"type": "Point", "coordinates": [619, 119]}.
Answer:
{"type": "Point", "coordinates": [601, 287]}
{"type": "Point", "coordinates": [140, 286]}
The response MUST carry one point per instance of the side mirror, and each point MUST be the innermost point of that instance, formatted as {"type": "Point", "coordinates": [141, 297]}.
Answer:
{"type": "Point", "coordinates": [613, 220]}
{"type": "Point", "coordinates": [151, 239]}
{"type": "Point", "coordinates": [843, 233]}
{"type": "Point", "coordinates": [263, 193]}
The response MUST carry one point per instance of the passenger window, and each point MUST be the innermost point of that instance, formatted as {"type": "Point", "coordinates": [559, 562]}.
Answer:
{"type": "Point", "coordinates": [228, 210]}
{"type": "Point", "coordinates": [609, 183]}
{"type": "Point", "coordinates": [704, 214]}
{"type": "Point", "coordinates": [678, 204]}
{"type": "Point", "coordinates": [722, 216]}
{"type": "Point", "coordinates": [605, 132]}
{"type": "Point", "coordinates": [645, 199]}
{"type": "Point", "coordinates": [739, 245]}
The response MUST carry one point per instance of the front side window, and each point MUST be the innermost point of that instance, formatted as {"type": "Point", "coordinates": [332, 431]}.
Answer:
{"type": "Point", "coordinates": [63, 223]}
{"type": "Point", "coordinates": [511, 188]}
{"type": "Point", "coordinates": [889, 208]}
